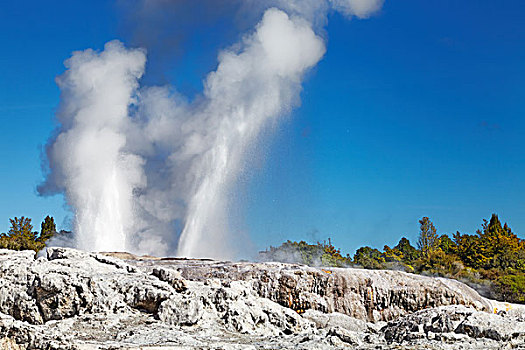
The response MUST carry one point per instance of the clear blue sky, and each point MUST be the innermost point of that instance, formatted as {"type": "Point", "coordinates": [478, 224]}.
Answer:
{"type": "Point", "coordinates": [418, 111]}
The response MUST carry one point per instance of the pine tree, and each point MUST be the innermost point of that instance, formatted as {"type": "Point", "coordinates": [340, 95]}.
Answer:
{"type": "Point", "coordinates": [47, 229]}
{"type": "Point", "coordinates": [428, 237]}
{"type": "Point", "coordinates": [22, 228]}
{"type": "Point", "coordinates": [501, 245]}
{"type": "Point", "coordinates": [21, 235]}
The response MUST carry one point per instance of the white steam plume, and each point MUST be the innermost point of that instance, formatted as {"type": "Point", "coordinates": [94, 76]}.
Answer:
{"type": "Point", "coordinates": [87, 156]}
{"type": "Point", "coordinates": [148, 172]}
{"type": "Point", "coordinates": [246, 92]}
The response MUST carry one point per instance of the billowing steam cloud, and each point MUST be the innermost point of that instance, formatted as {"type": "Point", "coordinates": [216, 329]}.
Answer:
{"type": "Point", "coordinates": [146, 171]}
{"type": "Point", "coordinates": [88, 157]}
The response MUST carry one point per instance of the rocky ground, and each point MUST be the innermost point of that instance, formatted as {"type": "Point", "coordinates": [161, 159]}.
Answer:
{"type": "Point", "coordinates": [76, 300]}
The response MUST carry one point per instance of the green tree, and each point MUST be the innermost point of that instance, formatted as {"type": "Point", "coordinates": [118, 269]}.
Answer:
{"type": "Point", "coordinates": [369, 258]}
{"type": "Point", "coordinates": [428, 238]}
{"type": "Point", "coordinates": [22, 231]}
{"type": "Point", "coordinates": [20, 235]}
{"type": "Point", "coordinates": [500, 245]}
{"type": "Point", "coordinates": [410, 253]}
{"type": "Point", "coordinates": [47, 229]}
{"type": "Point", "coordinates": [471, 250]}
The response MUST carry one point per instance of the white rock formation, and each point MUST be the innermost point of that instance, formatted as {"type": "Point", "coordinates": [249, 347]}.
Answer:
{"type": "Point", "coordinates": [76, 300]}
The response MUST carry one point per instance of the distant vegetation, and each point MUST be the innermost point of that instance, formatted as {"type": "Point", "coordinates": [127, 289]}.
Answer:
{"type": "Point", "coordinates": [492, 260]}
{"type": "Point", "coordinates": [22, 237]}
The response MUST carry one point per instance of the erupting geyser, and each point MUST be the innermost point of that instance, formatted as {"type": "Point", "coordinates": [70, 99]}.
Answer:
{"type": "Point", "coordinates": [136, 162]}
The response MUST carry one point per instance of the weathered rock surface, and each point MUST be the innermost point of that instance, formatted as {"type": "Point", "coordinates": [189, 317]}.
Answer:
{"type": "Point", "coordinates": [372, 295]}
{"type": "Point", "coordinates": [455, 322]}
{"type": "Point", "coordinates": [77, 300]}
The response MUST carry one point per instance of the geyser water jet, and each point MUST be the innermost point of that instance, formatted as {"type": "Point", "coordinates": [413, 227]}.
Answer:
{"type": "Point", "coordinates": [147, 171]}
{"type": "Point", "coordinates": [248, 90]}
{"type": "Point", "coordinates": [87, 158]}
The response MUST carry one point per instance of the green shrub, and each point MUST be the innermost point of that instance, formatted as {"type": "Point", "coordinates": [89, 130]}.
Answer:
{"type": "Point", "coordinates": [511, 288]}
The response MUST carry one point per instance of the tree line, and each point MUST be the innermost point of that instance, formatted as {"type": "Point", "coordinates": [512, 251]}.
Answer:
{"type": "Point", "coordinates": [22, 237]}
{"type": "Point", "coordinates": [492, 260]}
